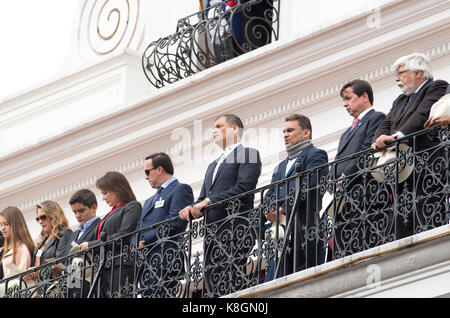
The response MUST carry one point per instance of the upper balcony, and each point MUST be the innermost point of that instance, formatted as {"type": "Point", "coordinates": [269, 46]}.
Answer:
{"type": "Point", "coordinates": [211, 36]}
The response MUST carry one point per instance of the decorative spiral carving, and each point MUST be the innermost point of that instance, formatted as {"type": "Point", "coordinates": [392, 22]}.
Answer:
{"type": "Point", "coordinates": [108, 25]}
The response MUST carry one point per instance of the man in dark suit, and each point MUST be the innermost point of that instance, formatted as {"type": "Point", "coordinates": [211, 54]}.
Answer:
{"type": "Point", "coordinates": [357, 96]}
{"type": "Point", "coordinates": [411, 109]}
{"type": "Point", "coordinates": [229, 236]}
{"type": "Point", "coordinates": [358, 100]}
{"type": "Point", "coordinates": [408, 115]}
{"type": "Point", "coordinates": [302, 156]}
{"type": "Point", "coordinates": [84, 206]}
{"type": "Point", "coordinates": [163, 248]}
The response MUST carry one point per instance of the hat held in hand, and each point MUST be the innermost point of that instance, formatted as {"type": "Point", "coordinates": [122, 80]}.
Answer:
{"type": "Point", "coordinates": [404, 170]}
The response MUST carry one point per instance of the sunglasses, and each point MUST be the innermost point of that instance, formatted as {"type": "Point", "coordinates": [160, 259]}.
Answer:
{"type": "Point", "coordinates": [147, 171]}
{"type": "Point", "coordinates": [41, 218]}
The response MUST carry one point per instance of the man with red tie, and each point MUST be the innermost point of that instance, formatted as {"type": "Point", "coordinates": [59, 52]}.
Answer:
{"type": "Point", "coordinates": [358, 99]}
{"type": "Point", "coordinates": [357, 96]}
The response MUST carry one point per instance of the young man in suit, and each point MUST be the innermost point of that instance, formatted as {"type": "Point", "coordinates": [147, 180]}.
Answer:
{"type": "Point", "coordinates": [357, 96]}
{"type": "Point", "coordinates": [229, 235]}
{"type": "Point", "coordinates": [84, 206]}
{"type": "Point", "coordinates": [171, 196]}
{"type": "Point", "coordinates": [301, 156]}
{"type": "Point", "coordinates": [408, 115]}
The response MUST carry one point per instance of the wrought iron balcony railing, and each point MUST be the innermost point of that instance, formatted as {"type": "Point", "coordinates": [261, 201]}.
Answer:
{"type": "Point", "coordinates": [218, 33]}
{"type": "Point", "coordinates": [381, 202]}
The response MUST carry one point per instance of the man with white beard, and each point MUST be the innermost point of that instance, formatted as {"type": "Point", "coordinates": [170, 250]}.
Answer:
{"type": "Point", "coordinates": [411, 109]}
{"type": "Point", "coordinates": [419, 203]}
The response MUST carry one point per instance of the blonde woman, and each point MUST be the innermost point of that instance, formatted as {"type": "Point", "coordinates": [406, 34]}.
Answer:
{"type": "Point", "coordinates": [55, 233]}
{"type": "Point", "coordinates": [18, 246]}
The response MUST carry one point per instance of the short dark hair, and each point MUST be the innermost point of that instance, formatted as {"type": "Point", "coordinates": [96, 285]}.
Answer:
{"type": "Point", "coordinates": [85, 197]}
{"type": "Point", "coordinates": [161, 159]}
{"type": "Point", "coordinates": [359, 87]}
{"type": "Point", "coordinates": [233, 120]}
{"type": "Point", "coordinates": [115, 181]}
{"type": "Point", "coordinates": [302, 120]}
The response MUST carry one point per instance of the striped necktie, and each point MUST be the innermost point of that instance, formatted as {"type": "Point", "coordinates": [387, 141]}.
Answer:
{"type": "Point", "coordinates": [355, 122]}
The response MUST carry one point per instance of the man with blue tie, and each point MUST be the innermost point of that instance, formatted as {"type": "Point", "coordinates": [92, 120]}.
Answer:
{"type": "Point", "coordinates": [411, 109]}
{"type": "Point", "coordinates": [171, 196]}
{"type": "Point", "coordinates": [409, 112]}
{"type": "Point", "coordinates": [229, 237]}
{"type": "Point", "coordinates": [302, 156]}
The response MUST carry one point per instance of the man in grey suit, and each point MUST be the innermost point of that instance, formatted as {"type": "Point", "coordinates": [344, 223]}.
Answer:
{"type": "Point", "coordinates": [357, 96]}
{"type": "Point", "coordinates": [358, 100]}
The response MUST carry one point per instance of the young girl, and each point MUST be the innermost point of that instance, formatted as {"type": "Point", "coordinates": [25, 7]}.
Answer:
{"type": "Point", "coordinates": [18, 246]}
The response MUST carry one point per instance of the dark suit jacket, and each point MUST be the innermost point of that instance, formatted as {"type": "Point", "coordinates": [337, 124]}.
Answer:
{"type": "Point", "coordinates": [238, 173]}
{"type": "Point", "coordinates": [55, 248]}
{"type": "Point", "coordinates": [416, 113]}
{"type": "Point", "coordinates": [357, 140]}
{"type": "Point", "coordinates": [176, 196]}
{"type": "Point", "coordinates": [309, 158]}
{"type": "Point", "coordinates": [89, 235]}
{"type": "Point", "coordinates": [121, 221]}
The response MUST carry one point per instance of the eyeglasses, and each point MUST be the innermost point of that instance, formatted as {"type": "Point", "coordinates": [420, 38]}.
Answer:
{"type": "Point", "coordinates": [397, 73]}
{"type": "Point", "coordinates": [147, 172]}
{"type": "Point", "coordinates": [41, 218]}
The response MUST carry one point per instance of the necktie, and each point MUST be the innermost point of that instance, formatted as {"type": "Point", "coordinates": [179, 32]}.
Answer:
{"type": "Point", "coordinates": [156, 196]}
{"type": "Point", "coordinates": [355, 122]}
{"type": "Point", "coordinates": [407, 102]}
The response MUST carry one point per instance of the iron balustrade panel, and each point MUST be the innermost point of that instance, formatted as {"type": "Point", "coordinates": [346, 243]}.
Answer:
{"type": "Point", "coordinates": [375, 205]}
{"type": "Point", "coordinates": [231, 247]}
{"type": "Point", "coordinates": [210, 37]}
{"type": "Point", "coordinates": [389, 200]}
{"type": "Point", "coordinates": [162, 266]}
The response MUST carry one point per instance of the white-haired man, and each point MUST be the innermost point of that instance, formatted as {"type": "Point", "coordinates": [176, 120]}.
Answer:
{"type": "Point", "coordinates": [419, 202]}
{"type": "Point", "coordinates": [411, 109]}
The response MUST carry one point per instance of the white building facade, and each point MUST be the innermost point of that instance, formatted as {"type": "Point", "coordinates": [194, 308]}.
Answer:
{"type": "Point", "coordinates": [59, 137]}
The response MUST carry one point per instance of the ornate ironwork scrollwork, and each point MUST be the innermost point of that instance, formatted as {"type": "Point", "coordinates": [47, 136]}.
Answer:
{"type": "Point", "coordinates": [210, 37]}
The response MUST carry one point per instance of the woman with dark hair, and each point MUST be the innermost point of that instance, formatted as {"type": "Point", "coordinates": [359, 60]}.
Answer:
{"type": "Point", "coordinates": [121, 220]}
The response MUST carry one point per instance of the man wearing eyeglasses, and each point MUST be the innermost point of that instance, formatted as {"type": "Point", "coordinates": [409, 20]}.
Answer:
{"type": "Point", "coordinates": [159, 240]}
{"type": "Point", "coordinates": [419, 202]}
{"type": "Point", "coordinates": [411, 109]}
